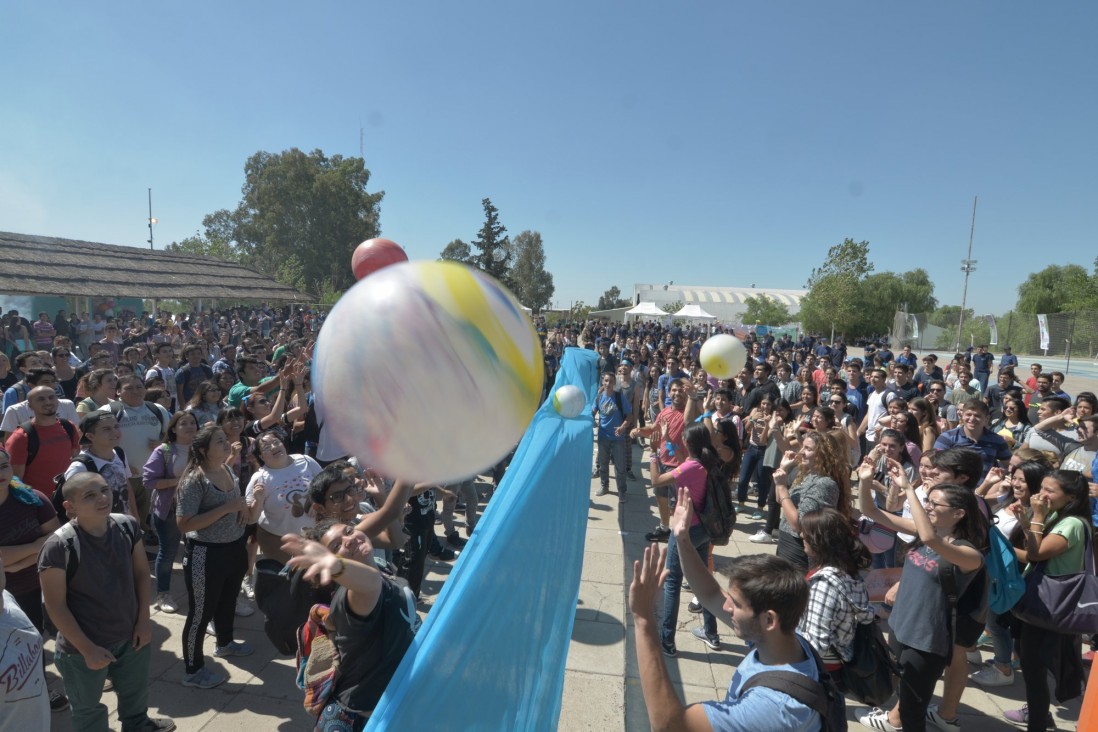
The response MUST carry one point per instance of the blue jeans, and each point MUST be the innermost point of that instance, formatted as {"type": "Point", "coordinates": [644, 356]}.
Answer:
{"type": "Point", "coordinates": [1001, 641]}
{"type": "Point", "coordinates": [167, 533]}
{"type": "Point", "coordinates": [672, 586]}
{"type": "Point", "coordinates": [753, 465]}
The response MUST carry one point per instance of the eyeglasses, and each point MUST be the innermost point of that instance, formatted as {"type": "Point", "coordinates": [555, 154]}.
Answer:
{"type": "Point", "coordinates": [929, 502]}
{"type": "Point", "coordinates": [337, 496]}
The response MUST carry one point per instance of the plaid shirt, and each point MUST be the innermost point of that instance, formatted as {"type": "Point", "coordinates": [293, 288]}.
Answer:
{"type": "Point", "coordinates": [837, 602]}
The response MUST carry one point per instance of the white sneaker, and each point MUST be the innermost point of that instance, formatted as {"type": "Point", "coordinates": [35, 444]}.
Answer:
{"type": "Point", "coordinates": [210, 628]}
{"type": "Point", "coordinates": [243, 609]}
{"type": "Point", "coordinates": [165, 603]}
{"type": "Point", "coordinates": [761, 537]}
{"type": "Point", "coordinates": [974, 657]}
{"type": "Point", "coordinates": [990, 675]}
{"type": "Point", "coordinates": [248, 587]}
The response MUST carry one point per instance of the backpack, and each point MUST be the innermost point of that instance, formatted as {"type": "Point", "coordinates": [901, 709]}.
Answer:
{"type": "Point", "coordinates": [870, 674]}
{"type": "Point", "coordinates": [117, 406]}
{"type": "Point", "coordinates": [1005, 583]}
{"type": "Point", "coordinates": [71, 539]}
{"type": "Point", "coordinates": [821, 696]}
{"type": "Point", "coordinates": [33, 441]}
{"type": "Point", "coordinates": [88, 462]}
{"type": "Point", "coordinates": [718, 515]}
{"type": "Point", "coordinates": [317, 660]}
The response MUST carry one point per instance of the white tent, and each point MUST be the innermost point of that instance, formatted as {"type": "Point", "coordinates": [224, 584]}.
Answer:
{"type": "Point", "coordinates": [648, 310]}
{"type": "Point", "coordinates": [694, 312]}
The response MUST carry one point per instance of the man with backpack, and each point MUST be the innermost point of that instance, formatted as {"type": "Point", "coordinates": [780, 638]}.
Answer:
{"type": "Point", "coordinates": [43, 446]}
{"type": "Point", "coordinates": [780, 686]}
{"type": "Point", "coordinates": [95, 585]}
{"type": "Point", "coordinates": [370, 623]}
{"type": "Point", "coordinates": [102, 455]}
{"type": "Point", "coordinates": [615, 415]}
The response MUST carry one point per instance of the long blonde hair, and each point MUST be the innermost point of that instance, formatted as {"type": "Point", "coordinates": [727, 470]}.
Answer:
{"type": "Point", "coordinates": [831, 462]}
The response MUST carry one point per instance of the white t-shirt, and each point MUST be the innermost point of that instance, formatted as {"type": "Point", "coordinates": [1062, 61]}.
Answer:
{"type": "Point", "coordinates": [286, 499]}
{"type": "Point", "coordinates": [17, 414]}
{"type": "Point", "coordinates": [24, 700]}
{"type": "Point", "coordinates": [139, 425]}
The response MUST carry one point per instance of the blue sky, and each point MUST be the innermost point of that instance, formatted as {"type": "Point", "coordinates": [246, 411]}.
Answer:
{"type": "Point", "coordinates": [712, 143]}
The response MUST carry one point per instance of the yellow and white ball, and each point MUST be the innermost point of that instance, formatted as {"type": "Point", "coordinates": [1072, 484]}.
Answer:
{"type": "Point", "coordinates": [723, 356]}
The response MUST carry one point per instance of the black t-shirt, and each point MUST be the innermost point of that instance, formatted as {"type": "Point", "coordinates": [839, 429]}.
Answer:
{"type": "Point", "coordinates": [6, 382]}
{"type": "Point", "coordinates": [371, 647]}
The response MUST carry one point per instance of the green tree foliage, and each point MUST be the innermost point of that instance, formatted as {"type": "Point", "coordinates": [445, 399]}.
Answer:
{"type": "Point", "coordinates": [492, 245]}
{"type": "Point", "coordinates": [881, 294]}
{"type": "Point", "coordinates": [1057, 288]}
{"type": "Point", "coordinates": [301, 217]}
{"type": "Point", "coordinates": [833, 289]}
{"type": "Point", "coordinates": [672, 307]}
{"type": "Point", "coordinates": [765, 310]}
{"type": "Point", "coordinates": [457, 251]}
{"type": "Point", "coordinates": [215, 241]}
{"type": "Point", "coordinates": [612, 299]}
{"type": "Point", "coordinates": [946, 317]}
{"type": "Point", "coordinates": [530, 281]}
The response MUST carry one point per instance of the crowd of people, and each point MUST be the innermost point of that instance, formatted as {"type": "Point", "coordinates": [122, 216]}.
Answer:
{"type": "Point", "coordinates": [124, 439]}
{"type": "Point", "coordinates": [940, 458]}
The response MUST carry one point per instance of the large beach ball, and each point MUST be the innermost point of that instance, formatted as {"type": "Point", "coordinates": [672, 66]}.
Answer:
{"type": "Point", "coordinates": [374, 254]}
{"type": "Point", "coordinates": [427, 371]}
{"type": "Point", "coordinates": [723, 356]}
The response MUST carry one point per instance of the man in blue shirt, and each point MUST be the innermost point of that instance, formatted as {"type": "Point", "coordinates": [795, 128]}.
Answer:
{"type": "Point", "coordinates": [765, 599]}
{"type": "Point", "coordinates": [972, 433]}
{"type": "Point", "coordinates": [982, 361]}
{"type": "Point", "coordinates": [1008, 359]}
{"type": "Point", "coordinates": [615, 415]}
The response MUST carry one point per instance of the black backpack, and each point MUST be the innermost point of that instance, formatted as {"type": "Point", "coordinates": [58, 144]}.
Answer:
{"type": "Point", "coordinates": [821, 696]}
{"type": "Point", "coordinates": [88, 462]}
{"type": "Point", "coordinates": [34, 442]}
{"type": "Point", "coordinates": [718, 516]}
{"type": "Point", "coordinates": [870, 674]}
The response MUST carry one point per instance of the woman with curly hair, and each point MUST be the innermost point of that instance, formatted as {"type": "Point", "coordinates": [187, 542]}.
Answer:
{"type": "Point", "coordinates": [822, 481]}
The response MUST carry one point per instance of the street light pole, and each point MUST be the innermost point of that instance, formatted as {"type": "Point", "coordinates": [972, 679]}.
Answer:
{"type": "Point", "coordinates": [968, 266]}
{"type": "Point", "coordinates": [151, 219]}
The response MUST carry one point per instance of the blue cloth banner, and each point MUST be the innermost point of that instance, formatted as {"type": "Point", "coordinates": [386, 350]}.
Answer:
{"type": "Point", "coordinates": [491, 654]}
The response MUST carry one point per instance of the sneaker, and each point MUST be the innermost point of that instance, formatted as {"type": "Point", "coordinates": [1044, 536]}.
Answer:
{"type": "Point", "coordinates": [594, 472]}
{"type": "Point", "coordinates": [165, 604]}
{"type": "Point", "coordinates": [694, 606]}
{"type": "Point", "coordinates": [248, 587]}
{"type": "Point", "coordinates": [236, 648]}
{"type": "Point", "coordinates": [630, 475]}
{"type": "Point", "coordinates": [154, 724]}
{"type": "Point", "coordinates": [210, 628]}
{"type": "Point", "coordinates": [1020, 717]}
{"type": "Point", "coordinates": [974, 657]}
{"type": "Point", "coordinates": [660, 533]}
{"type": "Point", "coordinates": [990, 675]}
{"type": "Point", "coordinates": [762, 537]}
{"type": "Point", "coordinates": [454, 539]}
{"type": "Point", "coordinates": [712, 641]}
{"type": "Point", "coordinates": [936, 720]}
{"type": "Point", "coordinates": [984, 640]}
{"type": "Point", "coordinates": [445, 554]}
{"type": "Point", "coordinates": [757, 516]}
{"type": "Point", "coordinates": [204, 678]}
{"type": "Point", "coordinates": [58, 701]}
{"type": "Point", "coordinates": [243, 609]}
{"type": "Point", "coordinates": [876, 718]}
{"type": "Point", "coordinates": [108, 685]}
{"type": "Point", "coordinates": [603, 491]}
{"type": "Point", "coordinates": [669, 649]}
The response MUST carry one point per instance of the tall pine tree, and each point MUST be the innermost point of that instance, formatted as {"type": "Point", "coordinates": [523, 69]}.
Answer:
{"type": "Point", "coordinates": [493, 245]}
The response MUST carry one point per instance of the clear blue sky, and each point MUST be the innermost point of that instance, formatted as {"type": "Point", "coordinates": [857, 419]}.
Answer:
{"type": "Point", "coordinates": [718, 143]}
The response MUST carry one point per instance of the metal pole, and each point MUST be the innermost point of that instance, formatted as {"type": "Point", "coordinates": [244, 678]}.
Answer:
{"type": "Point", "coordinates": [1071, 337]}
{"type": "Point", "coordinates": [968, 266]}
{"type": "Point", "coordinates": [151, 219]}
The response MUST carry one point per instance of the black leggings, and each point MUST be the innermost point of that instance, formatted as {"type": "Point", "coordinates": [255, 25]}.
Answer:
{"type": "Point", "coordinates": [213, 573]}
{"type": "Point", "coordinates": [919, 671]}
{"type": "Point", "coordinates": [413, 564]}
{"type": "Point", "coordinates": [1039, 650]}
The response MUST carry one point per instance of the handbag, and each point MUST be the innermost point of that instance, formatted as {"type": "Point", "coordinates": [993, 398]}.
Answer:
{"type": "Point", "coordinates": [870, 674]}
{"type": "Point", "coordinates": [1062, 604]}
{"type": "Point", "coordinates": [876, 538]}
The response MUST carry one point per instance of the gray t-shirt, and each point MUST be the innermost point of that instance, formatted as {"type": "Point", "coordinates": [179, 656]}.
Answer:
{"type": "Point", "coordinates": [811, 494]}
{"type": "Point", "coordinates": [921, 616]}
{"type": "Point", "coordinates": [101, 594]}
{"type": "Point", "coordinates": [195, 495]}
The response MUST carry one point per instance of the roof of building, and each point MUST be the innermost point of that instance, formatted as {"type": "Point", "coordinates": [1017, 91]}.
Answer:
{"type": "Point", "coordinates": [44, 265]}
{"type": "Point", "coordinates": [703, 294]}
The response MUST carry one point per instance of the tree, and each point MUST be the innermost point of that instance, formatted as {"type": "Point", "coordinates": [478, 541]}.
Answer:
{"type": "Point", "coordinates": [611, 299]}
{"type": "Point", "coordinates": [832, 299]}
{"type": "Point", "coordinates": [881, 294]}
{"type": "Point", "coordinates": [202, 245]}
{"type": "Point", "coordinates": [1058, 288]}
{"type": "Point", "coordinates": [492, 245]}
{"type": "Point", "coordinates": [301, 217]}
{"type": "Point", "coordinates": [532, 284]}
{"type": "Point", "coordinates": [457, 251]}
{"type": "Point", "coordinates": [765, 310]}
{"type": "Point", "coordinates": [672, 307]}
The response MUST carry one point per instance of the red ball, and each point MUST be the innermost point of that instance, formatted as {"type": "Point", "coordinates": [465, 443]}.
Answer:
{"type": "Point", "coordinates": [374, 254]}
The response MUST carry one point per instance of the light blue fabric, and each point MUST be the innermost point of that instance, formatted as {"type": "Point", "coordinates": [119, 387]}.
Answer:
{"type": "Point", "coordinates": [491, 654]}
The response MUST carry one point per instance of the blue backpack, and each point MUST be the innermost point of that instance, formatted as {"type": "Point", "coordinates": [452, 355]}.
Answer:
{"type": "Point", "coordinates": [1005, 583]}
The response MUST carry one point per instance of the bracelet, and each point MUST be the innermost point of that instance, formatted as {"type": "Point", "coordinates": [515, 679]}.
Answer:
{"type": "Point", "coordinates": [1036, 523]}
{"type": "Point", "coordinates": [342, 569]}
